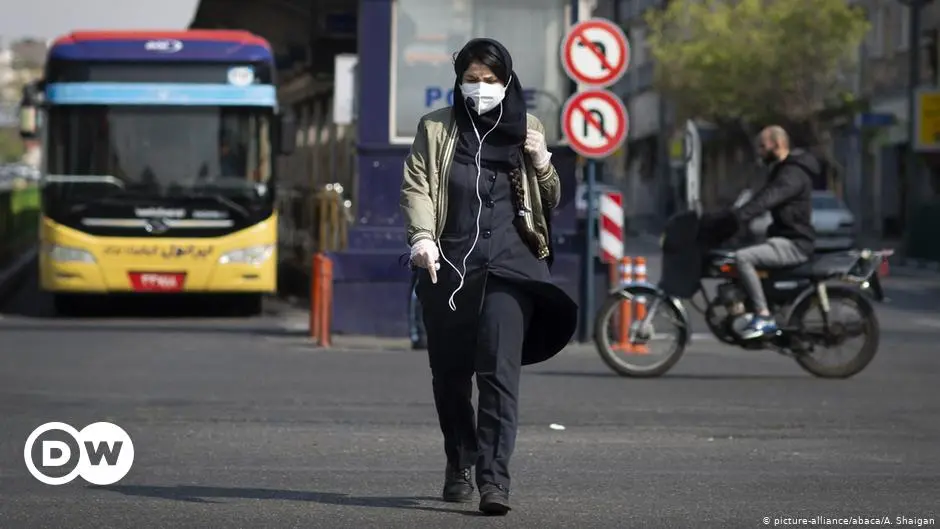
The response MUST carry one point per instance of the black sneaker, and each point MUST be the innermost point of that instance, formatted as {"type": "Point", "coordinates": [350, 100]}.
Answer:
{"type": "Point", "coordinates": [494, 499]}
{"type": "Point", "coordinates": [458, 485]}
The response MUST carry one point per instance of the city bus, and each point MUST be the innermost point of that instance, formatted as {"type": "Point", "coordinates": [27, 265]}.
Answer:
{"type": "Point", "coordinates": [158, 173]}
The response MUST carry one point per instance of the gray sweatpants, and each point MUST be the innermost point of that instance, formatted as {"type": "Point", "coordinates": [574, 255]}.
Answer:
{"type": "Point", "coordinates": [776, 252]}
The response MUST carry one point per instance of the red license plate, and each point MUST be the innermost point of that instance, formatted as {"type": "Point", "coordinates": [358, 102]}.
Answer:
{"type": "Point", "coordinates": [157, 281]}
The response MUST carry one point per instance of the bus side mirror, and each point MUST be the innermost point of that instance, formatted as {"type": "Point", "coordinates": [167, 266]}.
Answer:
{"type": "Point", "coordinates": [286, 134]}
{"type": "Point", "coordinates": [29, 121]}
{"type": "Point", "coordinates": [30, 108]}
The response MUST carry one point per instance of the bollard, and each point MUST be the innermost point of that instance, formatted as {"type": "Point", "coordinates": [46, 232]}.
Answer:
{"type": "Point", "coordinates": [626, 308]}
{"type": "Point", "coordinates": [326, 302]}
{"type": "Point", "coordinates": [315, 303]}
{"type": "Point", "coordinates": [321, 299]}
{"type": "Point", "coordinates": [640, 302]}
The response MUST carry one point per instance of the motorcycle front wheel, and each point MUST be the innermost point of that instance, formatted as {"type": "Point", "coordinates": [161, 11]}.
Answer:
{"type": "Point", "coordinates": [817, 339]}
{"type": "Point", "coordinates": [635, 347]}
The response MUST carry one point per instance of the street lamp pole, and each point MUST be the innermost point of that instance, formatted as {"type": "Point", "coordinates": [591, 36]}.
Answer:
{"type": "Point", "coordinates": [915, 7]}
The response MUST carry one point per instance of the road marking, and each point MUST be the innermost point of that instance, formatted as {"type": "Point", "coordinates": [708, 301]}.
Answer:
{"type": "Point", "coordinates": [295, 324]}
{"type": "Point", "coordinates": [935, 323]}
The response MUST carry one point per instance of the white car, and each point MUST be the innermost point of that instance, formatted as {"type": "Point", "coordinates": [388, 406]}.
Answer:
{"type": "Point", "coordinates": [832, 220]}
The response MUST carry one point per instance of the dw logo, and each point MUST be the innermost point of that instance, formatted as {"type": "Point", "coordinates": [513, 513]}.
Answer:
{"type": "Point", "coordinates": [102, 453]}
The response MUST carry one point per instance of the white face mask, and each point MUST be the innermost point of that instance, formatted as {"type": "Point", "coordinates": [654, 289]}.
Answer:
{"type": "Point", "coordinates": [483, 97]}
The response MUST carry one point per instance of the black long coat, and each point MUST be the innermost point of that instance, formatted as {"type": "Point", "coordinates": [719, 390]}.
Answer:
{"type": "Point", "coordinates": [500, 251]}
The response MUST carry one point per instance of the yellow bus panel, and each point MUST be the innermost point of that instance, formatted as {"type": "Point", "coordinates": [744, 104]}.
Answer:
{"type": "Point", "coordinates": [242, 262]}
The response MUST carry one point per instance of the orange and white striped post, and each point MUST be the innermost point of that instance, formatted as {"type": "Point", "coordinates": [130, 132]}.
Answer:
{"type": "Point", "coordinates": [640, 302]}
{"type": "Point", "coordinates": [626, 307]}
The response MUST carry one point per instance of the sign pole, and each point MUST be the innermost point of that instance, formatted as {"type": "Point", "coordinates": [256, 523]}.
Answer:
{"type": "Point", "coordinates": [584, 329]}
{"type": "Point", "coordinates": [693, 168]}
{"type": "Point", "coordinates": [914, 180]}
{"type": "Point", "coordinates": [590, 234]}
{"type": "Point", "coordinates": [595, 53]}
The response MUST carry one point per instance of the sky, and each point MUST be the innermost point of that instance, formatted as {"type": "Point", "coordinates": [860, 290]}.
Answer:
{"type": "Point", "coordinates": [51, 18]}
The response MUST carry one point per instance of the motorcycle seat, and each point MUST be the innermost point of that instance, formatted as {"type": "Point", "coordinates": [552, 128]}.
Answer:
{"type": "Point", "coordinates": [721, 254]}
{"type": "Point", "coordinates": [820, 266]}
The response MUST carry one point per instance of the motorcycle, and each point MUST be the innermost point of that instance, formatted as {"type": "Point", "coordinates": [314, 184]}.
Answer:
{"type": "Point", "coordinates": [828, 281]}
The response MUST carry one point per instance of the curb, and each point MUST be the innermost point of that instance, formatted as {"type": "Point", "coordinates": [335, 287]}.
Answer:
{"type": "Point", "coordinates": [917, 264]}
{"type": "Point", "coordinates": [12, 273]}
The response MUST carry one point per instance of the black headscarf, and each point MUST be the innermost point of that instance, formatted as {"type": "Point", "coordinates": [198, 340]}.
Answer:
{"type": "Point", "coordinates": [503, 146]}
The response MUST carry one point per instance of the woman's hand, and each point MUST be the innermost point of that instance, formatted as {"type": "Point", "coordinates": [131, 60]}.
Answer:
{"type": "Point", "coordinates": [536, 147]}
{"type": "Point", "coordinates": [424, 254]}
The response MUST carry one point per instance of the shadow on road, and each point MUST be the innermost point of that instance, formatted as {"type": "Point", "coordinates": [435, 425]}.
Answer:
{"type": "Point", "coordinates": [198, 494]}
{"type": "Point", "coordinates": [247, 327]}
{"type": "Point", "coordinates": [38, 305]}
{"type": "Point", "coordinates": [667, 376]}
{"type": "Point", "coordinates": [29, 301]}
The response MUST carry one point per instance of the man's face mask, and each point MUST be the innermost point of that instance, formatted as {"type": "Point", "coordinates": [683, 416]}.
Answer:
{"type": "Point", "coordinates": [483, 97]}
{"type": "Point", "coordinates": [767, 156]}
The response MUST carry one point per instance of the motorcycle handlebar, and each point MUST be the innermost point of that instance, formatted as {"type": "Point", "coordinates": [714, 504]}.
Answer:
{"type": "Point", "coordinates": [870, 260]}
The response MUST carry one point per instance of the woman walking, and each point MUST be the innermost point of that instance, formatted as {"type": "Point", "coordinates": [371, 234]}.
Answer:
{"type": "Point", "coordinates": [477, 196]}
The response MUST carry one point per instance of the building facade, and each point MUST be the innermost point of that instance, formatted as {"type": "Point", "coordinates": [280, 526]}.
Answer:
{"type": "Point", "coordinates": [870, 153]}
{"type": "Point", "coordinates": [20, 64]}
{"type": "Point", "coordinates": [636, 169]}
{"type": "Point", "coordinates": [889, 188]}
{"type": "Point", "coordinates": [404, 51]}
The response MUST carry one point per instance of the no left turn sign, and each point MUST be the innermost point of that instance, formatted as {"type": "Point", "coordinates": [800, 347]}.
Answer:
{"type": "Point", "coordinates": [595, 123]}
{"type": "Point", "coordinates": [595, 52]}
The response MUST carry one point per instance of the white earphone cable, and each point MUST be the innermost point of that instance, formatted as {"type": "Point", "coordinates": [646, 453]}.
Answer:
{"type": "Point", "coordinates": [479, 163]}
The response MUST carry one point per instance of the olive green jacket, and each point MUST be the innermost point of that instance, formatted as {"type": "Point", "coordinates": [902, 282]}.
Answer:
{"type": "Point", "coordinates": [427, 168]}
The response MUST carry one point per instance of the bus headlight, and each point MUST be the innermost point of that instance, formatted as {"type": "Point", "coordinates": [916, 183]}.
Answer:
{"type": "Point", "coordinates": [253, 255]}
{"type": "Point", "coordinates": [65, 254]}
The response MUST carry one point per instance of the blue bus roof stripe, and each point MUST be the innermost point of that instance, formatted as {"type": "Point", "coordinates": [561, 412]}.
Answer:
{"type": "Point", "coordinates": [134, 50]}
{"type": "Point", "coordinates": [160, 94]}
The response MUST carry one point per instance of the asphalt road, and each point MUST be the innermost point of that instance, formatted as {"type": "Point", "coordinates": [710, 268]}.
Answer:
{"type": "Point", "coordinates": [241, 423]}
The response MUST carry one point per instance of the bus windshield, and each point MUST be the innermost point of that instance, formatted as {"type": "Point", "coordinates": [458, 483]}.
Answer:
{"type": "Point", "coordinates": [163, 151]}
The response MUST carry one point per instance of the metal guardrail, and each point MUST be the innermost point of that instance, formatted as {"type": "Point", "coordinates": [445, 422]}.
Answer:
{"type": "Point", "coordinates": [331, 220]}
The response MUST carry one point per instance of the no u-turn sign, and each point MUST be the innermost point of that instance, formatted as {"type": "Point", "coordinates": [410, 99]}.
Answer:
{"type": "Point", "coordinates": [595, 123]}
{"type": "Point", "coordinates": [595, 53]}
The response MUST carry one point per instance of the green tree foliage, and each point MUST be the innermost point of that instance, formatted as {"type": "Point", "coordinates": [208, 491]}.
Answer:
{"type": "Point", "coordinates": [753, 62]}
{"type": "Point", "coordinates": [11, 146]}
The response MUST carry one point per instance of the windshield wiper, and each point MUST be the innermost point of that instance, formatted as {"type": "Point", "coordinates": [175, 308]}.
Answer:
{"type": "Point", "coordinates": [221, 199]}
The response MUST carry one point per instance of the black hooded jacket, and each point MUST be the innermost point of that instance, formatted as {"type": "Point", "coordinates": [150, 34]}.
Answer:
{"type": "Point", "coordinates": [787, 195]}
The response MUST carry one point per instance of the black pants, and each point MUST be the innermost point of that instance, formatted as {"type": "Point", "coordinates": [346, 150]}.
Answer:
{"type": "Point", "coordinates": [488, 344]}
{"type": "Point", "coordinates": [415, 320]}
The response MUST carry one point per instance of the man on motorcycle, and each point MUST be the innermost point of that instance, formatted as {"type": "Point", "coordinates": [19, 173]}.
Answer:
{"type": "Point", "coordinates": [791, 237]}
